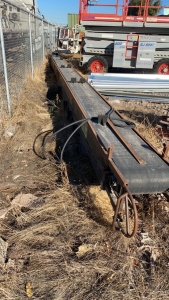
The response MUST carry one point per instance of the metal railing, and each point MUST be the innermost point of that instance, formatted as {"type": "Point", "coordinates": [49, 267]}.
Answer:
{"type": "Point", "coordinates": [25, 39]}
{"type": "Point", "coordinates": [122, 11]}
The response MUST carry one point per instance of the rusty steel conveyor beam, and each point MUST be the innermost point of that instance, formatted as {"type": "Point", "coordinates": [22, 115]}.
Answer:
{"type": "Point", "coordinates": [121, 151]}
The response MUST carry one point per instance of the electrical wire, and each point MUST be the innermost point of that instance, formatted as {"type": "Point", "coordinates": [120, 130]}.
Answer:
{"type": "Point", "coordinates": [61, 155]}
{"type": "Point", "coordinates": [127, 123]}
{"type": "Point", "coordinates": [83, 121]}
{"type": "Point", "coordinates": [54, 134]}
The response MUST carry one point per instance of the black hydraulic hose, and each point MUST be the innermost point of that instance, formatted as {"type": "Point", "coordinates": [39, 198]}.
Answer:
{"type": "Point", "coordinates": [84, 121]}
{"type": "Point", "coordinates": [110, 112]}
{"type": "Point", "coordinates": [126, 123]}
{"type": "Point", "coordinates": [61, 156]}
{"type": "Point", "coordinates": [54, 134]}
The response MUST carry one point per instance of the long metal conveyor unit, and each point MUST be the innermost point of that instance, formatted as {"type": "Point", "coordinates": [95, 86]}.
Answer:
{"type": "Point", "coordinates": [125, 163]}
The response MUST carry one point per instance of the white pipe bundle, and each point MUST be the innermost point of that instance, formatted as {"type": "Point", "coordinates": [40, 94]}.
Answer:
{"type": "Point", "coordinates": [107, 83]}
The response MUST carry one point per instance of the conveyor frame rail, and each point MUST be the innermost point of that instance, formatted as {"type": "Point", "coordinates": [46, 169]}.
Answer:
{"type": "Point", "coordinates": [105, 155]}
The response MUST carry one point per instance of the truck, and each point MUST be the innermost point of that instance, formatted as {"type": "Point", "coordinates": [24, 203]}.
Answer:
{"type": "Point", "coordinates": [124, 39]}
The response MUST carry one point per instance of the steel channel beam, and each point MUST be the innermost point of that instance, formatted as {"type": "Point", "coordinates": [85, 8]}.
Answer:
{"type": "Point", "coordinates": [97, 148]}
{"type": "Point", "coordinates": [136, 131]}
{"type": "Point", "coordinates": [125, 142]}
{"type": "Point", "coordinates": [101, 157]}
{"type": "Point", "coordinates": [92, 139]}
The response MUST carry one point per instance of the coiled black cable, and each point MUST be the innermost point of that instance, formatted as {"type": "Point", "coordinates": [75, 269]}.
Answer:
{"type": "Point", "coordinates": [130, 124]}
{"type": "Point", "coordinates": [83, 121]}
{"type": "Point", "coordinates": [61, 155]}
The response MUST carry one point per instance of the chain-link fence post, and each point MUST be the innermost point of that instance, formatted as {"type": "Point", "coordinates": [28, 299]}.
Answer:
{"type": "Point", "coordinates": [48, 38]}
{"type": "Point", "coordinates": [43, 41]}
{"type": "Point", "coordinates": [31, 51]}
{"type": "Point", "coordinates": [5, 68]}
{"type": "Point", "coordinates": [24, 41]}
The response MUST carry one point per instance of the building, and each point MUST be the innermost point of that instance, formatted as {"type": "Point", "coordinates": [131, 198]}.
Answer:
{"type": "Point", "coordinates": [30, 4]}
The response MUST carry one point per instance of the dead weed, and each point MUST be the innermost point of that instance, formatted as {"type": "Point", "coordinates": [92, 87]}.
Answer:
{"type": "Point", "coordinates": [65, 249]}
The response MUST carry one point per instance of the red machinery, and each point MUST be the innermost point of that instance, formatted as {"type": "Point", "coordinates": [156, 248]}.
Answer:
{"type": "Point", "coordinates": [120, 9]}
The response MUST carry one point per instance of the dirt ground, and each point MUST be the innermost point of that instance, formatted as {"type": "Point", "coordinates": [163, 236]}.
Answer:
{"type": "Point", "coordinates": [61, 246]}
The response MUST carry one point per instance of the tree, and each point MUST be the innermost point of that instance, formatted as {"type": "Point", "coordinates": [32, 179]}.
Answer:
{"type": "Point", "coordinates": [134, 11]}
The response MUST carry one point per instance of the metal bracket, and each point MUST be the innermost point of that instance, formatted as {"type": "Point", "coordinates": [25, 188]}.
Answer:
{"type": "Point", "coordinates": [165, 151]}
{"type": "Point", "coordinates": [110, 152]}
{"type": "Point", "coordinates": [73, 80]}
{"type": "Point", "coordinates": [102, 119]}
{"type": "Point", "coordinates": [82, 80]}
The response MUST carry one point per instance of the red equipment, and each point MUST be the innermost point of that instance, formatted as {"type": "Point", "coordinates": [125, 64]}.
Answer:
{"type": "Point", "coordinates": [123, 7]}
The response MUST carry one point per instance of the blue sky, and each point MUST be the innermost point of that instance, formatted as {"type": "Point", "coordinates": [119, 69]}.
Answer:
{"type": "Point", "coordinates": [57, 10]}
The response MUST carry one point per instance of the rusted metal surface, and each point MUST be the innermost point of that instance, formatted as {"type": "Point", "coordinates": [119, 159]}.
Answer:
{"type": "Point", "coordinates": [165, 153]}
{"type": "Point", "coordinates": [163, 133]}
{"type": "Point", "coordinates": [110, 152]}
{"type": "Point", "coordinates": [129, 205]}
{"type": "Point", "coordinates": [125, 142]}
{"type": "Point", "coordinates": [162, 128]}
{"type": "Point", "coordinates": [102, 153]}
{"type": "Point", "coordinates": [97, 149]}
{"type": "Point", "coordinates": [134, 210]}
{"type": "Point", "coordinates": [117, 209]}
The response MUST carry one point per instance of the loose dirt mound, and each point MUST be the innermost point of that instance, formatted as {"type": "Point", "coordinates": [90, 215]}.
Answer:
{"type": "Point", "coordinates": [63, 247]}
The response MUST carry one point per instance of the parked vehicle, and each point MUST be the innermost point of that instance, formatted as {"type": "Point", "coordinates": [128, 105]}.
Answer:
{"type": "Point", "coordinates": [120, 40]}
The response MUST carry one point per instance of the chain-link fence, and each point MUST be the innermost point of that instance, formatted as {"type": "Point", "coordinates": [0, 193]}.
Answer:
{"type": "Point", "coordinates": [25, 39]}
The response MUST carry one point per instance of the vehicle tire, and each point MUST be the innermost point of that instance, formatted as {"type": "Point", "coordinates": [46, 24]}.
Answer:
{"type": "Point", "coordinates": [161, 67]}
{"type": "Point", "coordinates": [97, 64]}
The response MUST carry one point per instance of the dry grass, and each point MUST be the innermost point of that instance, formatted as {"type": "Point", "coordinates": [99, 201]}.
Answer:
{"type": "Point", "coordinates": [43, 243]}
{"type": "Point", "coordinates": [149, 133]}
{"type": "Point", "coordinates": [43, 246]}
{"type": "Point", "coordinates": [145, 126]}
